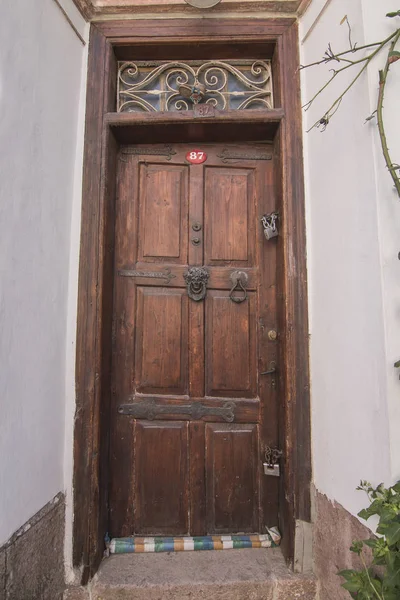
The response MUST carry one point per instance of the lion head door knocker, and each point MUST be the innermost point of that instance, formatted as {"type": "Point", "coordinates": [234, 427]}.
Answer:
{"type": "Point", "coordinates": [196, 279]}
{"type": "Point", "coordinates": [270, 224]}
{"type": "Point", "coordinates": [239, 281]}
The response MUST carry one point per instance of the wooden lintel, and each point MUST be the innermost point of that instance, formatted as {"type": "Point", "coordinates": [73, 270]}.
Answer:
{"type": "Point", "coordinates": [229, 116]}
{"type": "Point", "coordinates": [94, 10]}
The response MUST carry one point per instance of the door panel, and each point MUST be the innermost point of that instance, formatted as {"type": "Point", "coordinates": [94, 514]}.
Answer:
{"type": "Point", "coordinates": [162, 341]}
{"type": "Point", "coordinates": [229, 209]}
{"type": "Point", "coordinates": [232, 478]}
{"type": "Point", "coordinates": [190, 415]}
{"type": "Point", "coordinates": [161, 481]}
{"type": "Point", "coordinates": [163, 197]}
{"type": "Point", "coordinates": [230, 346]}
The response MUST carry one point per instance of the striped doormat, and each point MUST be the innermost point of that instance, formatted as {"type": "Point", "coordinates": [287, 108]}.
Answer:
{"type": "Point", "coordinates": [180, 544]}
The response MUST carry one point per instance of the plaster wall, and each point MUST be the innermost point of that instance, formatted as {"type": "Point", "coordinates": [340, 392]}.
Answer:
{"type": "Point", "coordinates": [41, 60]}
{"type": "Point", "coordinates": [353, 219]}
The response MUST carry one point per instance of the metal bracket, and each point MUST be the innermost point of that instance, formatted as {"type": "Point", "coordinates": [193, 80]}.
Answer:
{"type": "Point", "coordinates": [240, 155]}
{"type": "Point", "coordinates": [165, 150]}
{"type": "Point", "coordinates": [150, 410]}
{"type": "Point", "coordinates": [166, 274]}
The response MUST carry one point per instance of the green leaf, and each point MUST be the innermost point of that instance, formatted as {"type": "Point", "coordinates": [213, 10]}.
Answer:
{"type": "Point", "coordinates": [347, 574]}
{"type": "Point", "coordinates": [374, 509]}
{"type": "Point", "coordinates": [396, 486]}
{"type": "Point", "coordinates": [391, 532]}
{"type": "Point", "coordinates": [351, 586]}
{"type": "Point", "coordinates": [392, 577]}
{"type": "Point", "coordinates": [393, 14]}
{"type": "Point", "coordinates": [388, 514]}
{"type": "Point", "coordinates": [391, 595]}
{"type": "Point", "coordinates": [357, 547]}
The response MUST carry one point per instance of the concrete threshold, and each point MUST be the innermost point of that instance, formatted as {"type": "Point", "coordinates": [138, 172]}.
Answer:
{"type": "Point", "coordinates": [251, 574]}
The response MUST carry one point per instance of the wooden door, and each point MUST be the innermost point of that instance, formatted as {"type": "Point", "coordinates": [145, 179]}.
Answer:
{"type": "Point", "coordinates": [190, 412]}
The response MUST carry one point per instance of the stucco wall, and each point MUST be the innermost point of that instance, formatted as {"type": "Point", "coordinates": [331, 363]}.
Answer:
{"type": "Point", "coordinates": [353, 224]}
{"type": "Point", "coordinates": [41, 60]}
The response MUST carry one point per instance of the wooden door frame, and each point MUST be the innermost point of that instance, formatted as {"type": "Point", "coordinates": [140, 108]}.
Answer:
{"type": "Point", "coordinates": [104, 130]}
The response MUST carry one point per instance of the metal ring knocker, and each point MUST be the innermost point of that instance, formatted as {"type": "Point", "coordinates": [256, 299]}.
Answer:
{"type": "Point", "coordinates": [239, 280]}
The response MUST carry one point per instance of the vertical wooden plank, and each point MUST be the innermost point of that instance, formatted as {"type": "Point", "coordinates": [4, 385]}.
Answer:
{"type": "Point", "coordinates": [268, 385]}
{"type": "Point", "coordinates": [105, 282]}
{"type": "Point", "coordinates": [87, 547]}
{"type": "Point", "coordinates": [197, 478]}
{"type": "Point", "coordinates": [196, 355]}
{"type": "Point", "coordinates": [196, 309]}
{"type": "Point", "coordinates": [295, 490]}
{"type": "Point", "coordinates": [121, 459]}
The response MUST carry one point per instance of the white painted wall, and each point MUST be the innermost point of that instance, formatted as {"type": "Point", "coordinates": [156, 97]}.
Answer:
{"type": "Point", "coordinates": [353, 225]}
{"type": "Point", "coordinates": [41, 61]}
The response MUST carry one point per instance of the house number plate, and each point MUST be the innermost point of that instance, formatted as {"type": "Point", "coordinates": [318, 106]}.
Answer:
{"type": "Point", "coordinates": [203, 111]}
{"type": "Point", "coordinates": [196, 157]}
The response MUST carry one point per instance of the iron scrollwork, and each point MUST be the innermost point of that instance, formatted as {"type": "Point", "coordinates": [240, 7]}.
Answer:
{"type": "Point", "coordinates": [149, 410]}
{"type": "Point", "coordinates": [162, 86]}
{"type": "Point", "coordinates": [196, 279]}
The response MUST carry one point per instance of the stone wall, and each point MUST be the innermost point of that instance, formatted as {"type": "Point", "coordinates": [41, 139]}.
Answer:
{"type": "Point", "coordinates": [334, 531]}
{"type": "Point", "coordinates": [32, 561]}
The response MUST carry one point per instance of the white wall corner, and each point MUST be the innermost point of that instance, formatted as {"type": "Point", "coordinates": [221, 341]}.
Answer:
{"type": "Point", "coordinates": [74, 18]}
{"type": "Point", "coordinates": [348, 352]}
{"type": "Point", "coordinates": [71, 575]}
{"type": "Point", "coordinates": [378, 27]}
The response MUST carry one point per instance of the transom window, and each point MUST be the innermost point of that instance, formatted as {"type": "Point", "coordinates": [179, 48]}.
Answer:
{"type": "Point", "coordinates": [179, 86]}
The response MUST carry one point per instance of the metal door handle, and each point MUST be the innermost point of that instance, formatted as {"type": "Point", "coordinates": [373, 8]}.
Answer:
{"type": "Point", "coordinates": [272, 369]}
{"type": "Point", "coordinates": [239, 280]}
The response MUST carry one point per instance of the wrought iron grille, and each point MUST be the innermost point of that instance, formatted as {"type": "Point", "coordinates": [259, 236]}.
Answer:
{"type": "Point", "coordinates": [178, 86]}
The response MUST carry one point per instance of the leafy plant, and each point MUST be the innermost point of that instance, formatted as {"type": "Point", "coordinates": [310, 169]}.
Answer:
{"type": "Point", "coordinates": [372, 583]}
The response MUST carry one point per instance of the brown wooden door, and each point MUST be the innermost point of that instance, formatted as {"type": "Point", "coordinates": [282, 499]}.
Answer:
{"type": "Point", "coordinates": [187, 458]}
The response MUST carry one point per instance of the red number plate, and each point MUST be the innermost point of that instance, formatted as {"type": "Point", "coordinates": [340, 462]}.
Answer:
{"type": "Point", "coordinates": [196, 157]}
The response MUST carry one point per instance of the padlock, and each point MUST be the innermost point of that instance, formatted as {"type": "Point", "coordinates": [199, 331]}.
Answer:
{"type": "Point", "coordinates": [270, 232]}
{"type": "Point", "coordinates": [270, 225]}
{"type": "Point", "coordinates": [272, 470]}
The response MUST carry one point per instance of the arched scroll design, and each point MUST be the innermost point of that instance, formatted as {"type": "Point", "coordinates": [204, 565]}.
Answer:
{"type": "Point", "coordinates": [229, 85]}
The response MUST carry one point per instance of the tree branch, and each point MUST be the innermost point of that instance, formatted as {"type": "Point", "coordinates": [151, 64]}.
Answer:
{"type": "Point", "coordinates": [383, 75]}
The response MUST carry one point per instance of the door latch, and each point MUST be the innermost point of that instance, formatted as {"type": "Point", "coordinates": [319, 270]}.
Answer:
{"type": "Point", "coordinates": [271, 464]}
{"type": "Point", "coordinates": [271, 369]}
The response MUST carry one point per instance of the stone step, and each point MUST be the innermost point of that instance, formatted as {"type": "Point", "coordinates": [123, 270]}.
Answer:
{"type": "Point", "coordinates": [256, 574]}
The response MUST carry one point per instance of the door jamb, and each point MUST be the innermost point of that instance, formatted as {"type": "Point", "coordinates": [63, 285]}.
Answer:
{"type": "Point", "coordinates": [93, 360]}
